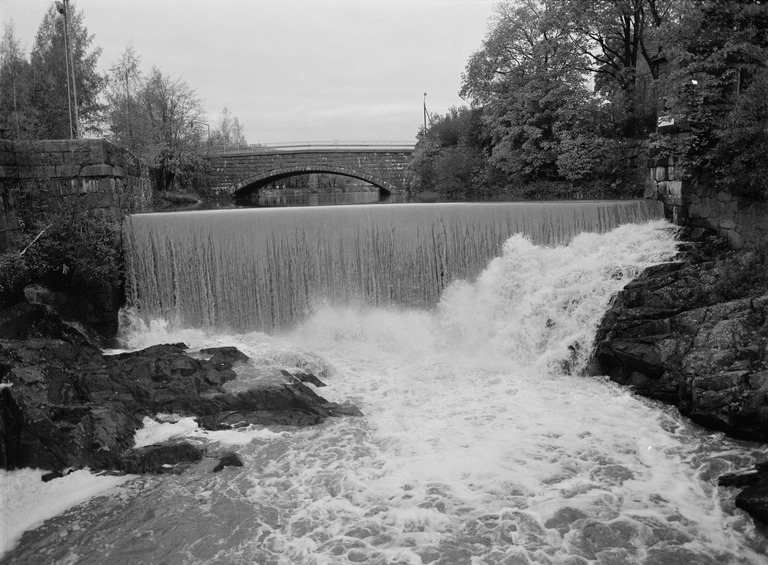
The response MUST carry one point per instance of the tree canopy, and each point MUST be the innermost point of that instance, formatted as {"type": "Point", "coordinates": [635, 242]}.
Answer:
{"type": "Point", "coordinates": [560, 89]}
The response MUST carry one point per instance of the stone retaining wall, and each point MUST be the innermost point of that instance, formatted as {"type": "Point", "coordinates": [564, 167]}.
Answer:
{"type": "Point", "coordinates": [40, 178]}
{"type": "Point", "coordinates": [743, 221]}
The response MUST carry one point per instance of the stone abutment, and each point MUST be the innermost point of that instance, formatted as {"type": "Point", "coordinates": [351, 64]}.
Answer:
{"type": "Point", "coordinates": [38, 179]}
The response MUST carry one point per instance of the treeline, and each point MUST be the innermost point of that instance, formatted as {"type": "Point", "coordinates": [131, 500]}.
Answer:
{"type": "Point", "coordinates": [160, 118]}
{"type": "Point", "coordinates": [560, 89]}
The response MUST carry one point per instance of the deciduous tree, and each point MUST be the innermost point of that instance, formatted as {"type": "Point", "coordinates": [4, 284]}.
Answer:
{"type": "Point", "coordinates": [525, 74]}
{"type": "Point", "coordinates": [228, 130]}
{"type": "Point", "coordinates": [126, 118]}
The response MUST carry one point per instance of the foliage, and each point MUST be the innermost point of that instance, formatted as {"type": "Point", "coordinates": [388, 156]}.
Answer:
{"type": "Point", "coordinates": [15, 274]}
{"type": "Point", "coordinates": [157, 117]}
{"type": "Point", "coordinates": [125, 119]}
{"type": "Point", "coordinates": [621, 39]}
{"type": "Point", "coordinates": [582, 157]}
{"type": "Point", "coordinates": [525, 73]}
{"type": "Point", "coordinates": [740, 156]}
{"type": "Point", "coordinates": [228, 130]}
{"type": "Point", "coordinates": [717, 89]}
{"type": "Point", "coordinates": [77, 250]}
{"type": "Point", "coordinates": [450, 155]}
{"type": "Point", "coordinates": [49, 98]}
{"type": "Point", "coordinates": [17, 119]}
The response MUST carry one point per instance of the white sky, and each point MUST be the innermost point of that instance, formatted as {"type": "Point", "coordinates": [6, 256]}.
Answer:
{"type": "Point", "coordinates": [293, 70]}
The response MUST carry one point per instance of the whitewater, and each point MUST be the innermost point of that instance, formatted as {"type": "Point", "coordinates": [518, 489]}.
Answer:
{"type": "Point", "coordinates": [482, 442]}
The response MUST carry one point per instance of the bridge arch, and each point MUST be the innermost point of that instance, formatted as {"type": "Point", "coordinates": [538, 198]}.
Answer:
{"type": "Point", "coordinates": [252, 184]}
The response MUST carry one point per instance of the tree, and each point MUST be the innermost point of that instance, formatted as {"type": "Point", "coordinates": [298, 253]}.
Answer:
{"type": "Point", "coordinates": [173, 109]}
{"type": "Point", "coordinates": [49, 75]}
{"type": "Point", "coordinates": [450, 156]}
{"type": "Point", "coordinates": [228, 130]}
{"type": "Point", "coordinates": [125, 117]}
{"type": "Point", "coordinates": [525, 75]}
{"type": "Point", "coordinates": [618, 38]}
{"type": "Point", "coordinates": [173, 112]}
{"type": "Point", "coordinates": [17, 120]}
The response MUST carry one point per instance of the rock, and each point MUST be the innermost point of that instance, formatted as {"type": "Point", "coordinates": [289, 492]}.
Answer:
{"type": "Point", "coordinates": [161, 458]}
{"type": "Point", "coordinates": [228, 460]}
{"type": "Point", "coordinates": [225, 354]}
{"type": "Point", "coordinates": [309, 378]}
{"type": "Point", "coordinates": [754, 498]}
{"type": "Point", "coordinates": [64, 404]}
{"type": "Point", "coordinates": [694, 333]}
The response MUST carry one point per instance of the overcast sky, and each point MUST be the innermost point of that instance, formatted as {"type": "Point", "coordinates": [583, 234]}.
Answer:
{"type": "Point", "coordinates": [293, 70]}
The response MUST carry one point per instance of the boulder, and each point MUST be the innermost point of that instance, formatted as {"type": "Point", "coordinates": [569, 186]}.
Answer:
{"type": "Point", "coordinates": [228, 460]}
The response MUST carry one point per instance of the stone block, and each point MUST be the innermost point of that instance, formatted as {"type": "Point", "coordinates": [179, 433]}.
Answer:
{"type": "Point", "coordinates": [66, 171]}
{"type": "Point", "coordinates": [8, 171]}
{"type": "Point", "coordinates": [675, 188]}
{"type": "Point", "coordinates": [723, 196]}
{"type": "Point", "coordinates": [53, 145]}
{"type": "Point", "coordinates": [101, 170]}
{"type": "Point", "coordinates": [7, 158]}
{"type": "Point", "coordinates": [88, 186]}
{"type": "Point", "coordinates": [661, 173]}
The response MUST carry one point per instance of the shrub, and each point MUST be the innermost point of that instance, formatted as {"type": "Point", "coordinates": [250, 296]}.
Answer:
{"type": "Point", "coordinates": [77, 250]}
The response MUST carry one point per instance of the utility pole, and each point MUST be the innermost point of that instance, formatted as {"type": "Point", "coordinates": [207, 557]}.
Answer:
{"type": "Point", "coordinates": [425, 114]}
{"type": "Point", "coordinates": [74, 128]}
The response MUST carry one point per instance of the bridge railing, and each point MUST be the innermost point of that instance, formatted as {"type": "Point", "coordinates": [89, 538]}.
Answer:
{"type": "Point", "coordinates": [311, 145]}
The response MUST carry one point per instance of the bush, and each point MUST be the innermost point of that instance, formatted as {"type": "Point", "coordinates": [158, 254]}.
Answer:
{"type": "Point", "coordinates": [77, 250]}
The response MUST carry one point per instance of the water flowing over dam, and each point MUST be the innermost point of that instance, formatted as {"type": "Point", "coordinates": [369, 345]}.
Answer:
{"type": "Point", "coordinates": [460, 331]}
{"type": "Point", "coordinates": [265, 269]}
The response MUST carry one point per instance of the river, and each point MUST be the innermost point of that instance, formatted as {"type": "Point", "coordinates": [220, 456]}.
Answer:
{"type": "Point", "coordinates": [461, 332]}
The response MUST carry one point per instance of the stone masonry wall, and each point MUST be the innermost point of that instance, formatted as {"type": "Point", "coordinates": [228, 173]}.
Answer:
{"type": "Point", "coordinates": [40, 178]}
{"type": "Point", "coordinates": [10, 222]}
{"type": "Point", "coordinates": [743, 221]}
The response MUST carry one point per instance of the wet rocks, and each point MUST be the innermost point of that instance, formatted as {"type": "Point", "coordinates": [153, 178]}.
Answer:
{"type": "Point", "coordinates": [694, 334]}
{"type": "Point", "coordinates": [228, 460]}
{"type": "Point", "coordinates": [160, 459]}
{"type": "Point", "coordinates": [754, 498]}
{"type": "Point", "coordinates": [64, 404]}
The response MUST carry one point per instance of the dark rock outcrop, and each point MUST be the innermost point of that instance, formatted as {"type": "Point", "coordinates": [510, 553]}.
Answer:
{"type": "Point", "coordinates": [228, 460]}
{"type": "Point", "coordinates": [694, 333]}
{"type": "Point", "coordinates": [754, 498]}
{"type": "Point", "coordinates": [64, 404]}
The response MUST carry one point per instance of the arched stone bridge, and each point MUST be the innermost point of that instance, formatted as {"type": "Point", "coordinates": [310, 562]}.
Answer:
{"type": "Point", "coordinates": [241, 171]}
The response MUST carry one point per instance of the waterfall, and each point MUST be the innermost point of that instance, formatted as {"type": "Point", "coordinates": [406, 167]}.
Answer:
{"type": "Point", "coordinates": [260, 269]}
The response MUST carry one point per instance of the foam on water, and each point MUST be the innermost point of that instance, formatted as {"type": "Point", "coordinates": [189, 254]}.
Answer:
{"type": "Point", "coordinates": [28, 501]}
{"type": "Point", "coordinates": [480, 442]}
